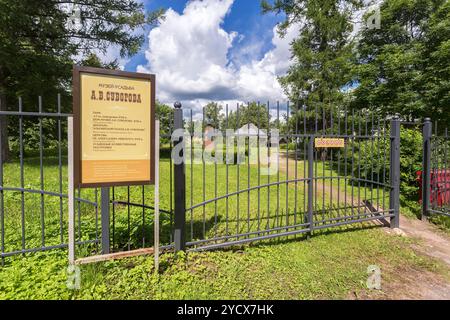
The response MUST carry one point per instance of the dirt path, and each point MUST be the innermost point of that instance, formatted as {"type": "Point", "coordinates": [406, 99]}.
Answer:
{"type": "Point", "coordinates": [409, 283]}
{"type": "Point", "coordinates": [436, 244]}
{"type": "Point", "coordinates": [418, 283]}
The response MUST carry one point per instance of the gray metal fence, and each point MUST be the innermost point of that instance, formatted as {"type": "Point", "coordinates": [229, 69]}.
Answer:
{"type": "Point", "coordinates": [28, 223]}
{"type": "Point", "coordinates": [436, 170]}
{"type": "Point", "coordinates": [219, 205]}
{"type": "Point", "coordinates": [33, 193]}
{"type": "Point", "coordinates": [206, 205]}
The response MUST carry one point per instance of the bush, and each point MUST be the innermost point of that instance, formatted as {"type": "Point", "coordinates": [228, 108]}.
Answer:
{"type": "Point", "coordinates": [368, 161]}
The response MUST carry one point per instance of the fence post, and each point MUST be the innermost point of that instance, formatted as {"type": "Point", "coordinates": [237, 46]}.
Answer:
{"type": "Point", "coordinates": [310, 216]}
{"type": "Point", "coordinates": [180, 185]}
{"type": "Point", "coordinates": [104, 207]}
{"type": "Point", "coordinates": [426, 167]}
{"type": "Point", "coordinates": [2, 212]}
{"type": "Point", "coordinates": [394, 196]}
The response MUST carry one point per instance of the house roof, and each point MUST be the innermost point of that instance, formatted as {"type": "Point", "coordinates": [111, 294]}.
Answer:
{"type": "Point", "coordinates": [250, 130]}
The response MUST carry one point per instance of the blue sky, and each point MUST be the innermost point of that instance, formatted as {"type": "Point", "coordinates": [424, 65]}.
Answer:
{"type": "Point", "coordinates": [245, 18]}
{"type": "Point", "coordinates": [213, 50]}
{"type": "Point", "coordinates": [225, 51]}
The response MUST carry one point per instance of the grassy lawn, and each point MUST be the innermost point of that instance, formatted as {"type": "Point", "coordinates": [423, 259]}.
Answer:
{"type": "Point", "coordinates": [329, 265]}
{"type": "Point", "coordinates": [252, 210]}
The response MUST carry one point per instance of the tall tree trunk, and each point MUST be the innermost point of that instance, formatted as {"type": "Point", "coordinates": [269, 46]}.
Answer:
{"type": "Point", "coordinates": [3, 119]}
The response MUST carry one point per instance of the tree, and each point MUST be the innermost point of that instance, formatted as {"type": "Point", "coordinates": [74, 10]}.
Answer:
{"type": "Point", "coordinates": [38, 43]}
{"type": "Point", "coordinates": [213, 114]}
{"type": "Point", "coordinates": [164, 114]}
{"type": "Point", "coordinates": [251, 113]}
{"type": "Point", "coordinates": [403, 67]}
{"type": "Point", "coordinates": [322, 51]}
{"type": "Point", "coordinates": [92, 60]}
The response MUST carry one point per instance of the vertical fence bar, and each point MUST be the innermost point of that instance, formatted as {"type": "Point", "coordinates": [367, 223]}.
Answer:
{"type": "Point", "coordinates": [41, 166]}
{"type": "Point", "coordinates": [60, 172]}
{"type": "Point", "coordinates": [22, 180]}
{"type": "Point", "coordinates": [70, 191]}
{"type": "Point", "coordinates": [104, 207]}
{"type": "Point", "coordinates": [96, 218]}
{"type": "Point", "coordinates": [426, 166]}
{"type": "Point", "coordinates": [203, 169]}
{"type": "Point", "coordinates": [394, 198]}
{"type": "Point", "coordinates": [310, 182]}
{"type": "Point", "coordinates": [156, 201]}
{"type": "Point", "coordinates": [226, 172]}
{"type": "Point", "coordinates": [143, 216]}
{"type": "Point", "coordinates": [113, 218]}
{"type": "Point", "coordinates": [128, 218]}
{"type": "Point", "coordinates": [180, 187]}
{"type": "Point", "coordinates": [191, 193]}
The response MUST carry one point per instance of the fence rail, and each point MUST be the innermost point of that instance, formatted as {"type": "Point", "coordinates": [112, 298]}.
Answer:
{"type": "Point", "coordinates": [33, 193]}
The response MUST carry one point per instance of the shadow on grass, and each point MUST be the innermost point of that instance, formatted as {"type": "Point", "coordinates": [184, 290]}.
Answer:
{"type": "Point", "coordinates": [350, 228]}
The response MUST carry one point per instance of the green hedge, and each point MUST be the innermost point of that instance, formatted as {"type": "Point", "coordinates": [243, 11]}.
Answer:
{"type": "Point", "coordinates": [368, 161]}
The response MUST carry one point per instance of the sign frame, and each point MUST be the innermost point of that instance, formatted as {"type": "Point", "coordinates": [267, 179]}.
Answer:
{"type": "Point", "coordinates": [328, 142]}
{"type": "Point", "coordinates": [77, 116]}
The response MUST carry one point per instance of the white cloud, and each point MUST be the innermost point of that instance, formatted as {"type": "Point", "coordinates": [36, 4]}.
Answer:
{"type": "Point", "coordinates": [189, 53]}
{"type": "Point", "coordinates": [259, 78]}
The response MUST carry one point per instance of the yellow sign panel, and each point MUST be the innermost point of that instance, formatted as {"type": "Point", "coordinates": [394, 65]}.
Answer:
{"type": "Point", "coordinates": [115, 128]}
{"type": "Point", "coordinates": [329, 142]}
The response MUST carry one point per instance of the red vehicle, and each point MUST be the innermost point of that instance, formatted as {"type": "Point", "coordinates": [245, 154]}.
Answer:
{"type": "Point", "coordinates": [439, 187]}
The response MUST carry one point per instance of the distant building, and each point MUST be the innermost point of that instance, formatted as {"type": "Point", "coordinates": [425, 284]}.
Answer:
{"type": "Point", "coordinates": [250, 129]}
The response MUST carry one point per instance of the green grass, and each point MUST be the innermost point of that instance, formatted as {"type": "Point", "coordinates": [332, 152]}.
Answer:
{"type": "Point", "coordinates": [329, 265]}
{"type": "Point", "coordinates": [249, 211]}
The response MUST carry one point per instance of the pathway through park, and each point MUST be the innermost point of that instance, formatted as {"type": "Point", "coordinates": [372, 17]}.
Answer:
{"type": "Point", "coordinates": [410, 283]}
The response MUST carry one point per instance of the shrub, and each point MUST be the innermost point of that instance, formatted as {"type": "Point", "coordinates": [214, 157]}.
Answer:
{"type": "Point", "coordinates": [368, 161]}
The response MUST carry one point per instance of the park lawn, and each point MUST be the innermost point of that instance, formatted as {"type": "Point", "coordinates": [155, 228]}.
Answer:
{"type": "Point", "coordinates": [327, 266]}
{"type": "Point", "coordinates": [252, 210]}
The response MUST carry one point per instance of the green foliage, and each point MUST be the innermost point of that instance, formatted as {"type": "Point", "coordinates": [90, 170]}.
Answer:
{"type": "Point", "coordinates": [38, 47]}
{"type": "Point", "coordinates": [268, 270]}
{"type": "Point", "coordinates": [322, 51]}
{"type": "Point", "coordinates": [402, 68]}
{"type": "Point", "coordinates": [212, 115]}
{"type": "Point", "coordinates": [164, 114]}
{"type": "Point", "coordinates": [264, 270]}
{"type": "Point", "coordinates": [370, 159]}
{"type": "Point", "coordinates": [37, 42]}
{"type": "Point", "coordinates": [251, 113]}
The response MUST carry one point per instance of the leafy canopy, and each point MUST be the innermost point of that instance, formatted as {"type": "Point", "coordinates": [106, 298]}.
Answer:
{"type": "Point", "coordinates": [403, 67]}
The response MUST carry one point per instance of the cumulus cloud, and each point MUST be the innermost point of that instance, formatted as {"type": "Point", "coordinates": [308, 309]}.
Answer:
{"type": "Point", "coordinates": [189, 53]}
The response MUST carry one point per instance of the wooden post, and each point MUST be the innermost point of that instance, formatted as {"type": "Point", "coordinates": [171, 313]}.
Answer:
{"type": "Point", "coordinates": [70, 191]}
{"type": "Point", "coordinates": [156, 221]}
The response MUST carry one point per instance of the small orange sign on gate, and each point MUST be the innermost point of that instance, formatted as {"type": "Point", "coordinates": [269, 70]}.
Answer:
{"type": "Point", "coordinates": [329, 142]}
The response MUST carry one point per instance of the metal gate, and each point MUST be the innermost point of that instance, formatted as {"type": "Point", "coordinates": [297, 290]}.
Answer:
{"type": "Point", "coordinates": [206, 205]}
{"type": "Point", "coordinates": [436, 170]}
{"type": "Point", "coordinates": [221, 204]}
